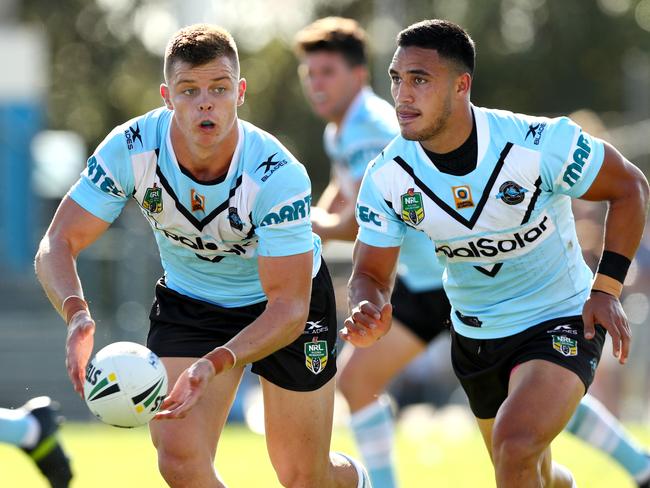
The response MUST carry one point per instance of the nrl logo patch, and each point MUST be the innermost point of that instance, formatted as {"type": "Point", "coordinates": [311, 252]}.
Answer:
{"type": "Point", "coordinates": [412, 206]}
{"type": "Point", "coordinates": [565, 345]}
{"type": "Point", "coordinates": [152, 201]}
{"type": "Point", "coordinates": [316, 355]}
{"type": "Point", "coordinates": [511, 193]}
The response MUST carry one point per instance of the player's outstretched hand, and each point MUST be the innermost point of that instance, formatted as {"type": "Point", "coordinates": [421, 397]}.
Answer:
{"type": "Point", "coordinates": [606, 310]}
{"type": "Point", "coordinates": [367, 324]}
{"type": "Point", "coordinates": [189, 387]}
{"type": "Point", "coordinates": [78, 347]}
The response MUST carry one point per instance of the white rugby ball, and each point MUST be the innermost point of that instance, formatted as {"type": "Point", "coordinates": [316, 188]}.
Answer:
{"type": "Point", "coordinates": [125, 384]}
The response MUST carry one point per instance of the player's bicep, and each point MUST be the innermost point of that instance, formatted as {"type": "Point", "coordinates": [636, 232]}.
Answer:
{"type": "Point", "coordinates": [74, 226]}
{"type": "Point", "coordinates": [615, 168]}
{"type": "Point", "coordinates": [287, 278]}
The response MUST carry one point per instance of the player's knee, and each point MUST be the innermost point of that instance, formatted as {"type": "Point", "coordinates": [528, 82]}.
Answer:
{"type": "Point", "coordinates": [516, 447]}
{"type": "Point", "coordinates": [299, 475]}
{"type": "Point", "coordinates": [179, 468]}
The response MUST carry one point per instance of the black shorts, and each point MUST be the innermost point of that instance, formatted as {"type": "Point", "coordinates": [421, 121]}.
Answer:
{"type": "Point", "coordinates": [483, 366]}
{"type": "Point", "coordinates": [186, 327]}
{"type": "Point", "coordinates": [426, 313]}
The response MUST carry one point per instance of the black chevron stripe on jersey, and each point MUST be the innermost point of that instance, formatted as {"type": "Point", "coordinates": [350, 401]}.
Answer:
{"type": "Point", "coordinates": [441, 203]}
{"type": "Point", "coordinates": [199, 224]}
{"type": "Point", "coordinates": [533, 200]}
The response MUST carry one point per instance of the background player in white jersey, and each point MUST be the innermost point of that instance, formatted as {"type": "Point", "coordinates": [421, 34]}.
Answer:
{"type": "Point", "coordinates": [333, 69]}
{"type": "Point", "coordinates": [492, 190]}
{"type": "Point", "coordinates": [334, 72]}
{"type": "Point", "coordinates": [229, 207]}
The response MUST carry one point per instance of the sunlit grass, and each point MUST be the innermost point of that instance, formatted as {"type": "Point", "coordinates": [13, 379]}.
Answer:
{"type": "Point", "coordinates": [444, 452]}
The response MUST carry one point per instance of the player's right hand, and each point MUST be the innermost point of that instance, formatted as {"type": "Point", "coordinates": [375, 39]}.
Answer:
{"type": "Point", "coordinates": [367, 324]}
{"type": "Point", "coordinates": [606, 310]}
{"type": "Point", "coordinates": [78, 348]}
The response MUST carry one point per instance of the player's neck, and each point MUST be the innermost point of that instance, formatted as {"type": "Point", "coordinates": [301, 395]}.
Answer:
{"type": "Point", "coordinates": [205, 163]}
{"type": "Point", "coordinates": [455, 132]}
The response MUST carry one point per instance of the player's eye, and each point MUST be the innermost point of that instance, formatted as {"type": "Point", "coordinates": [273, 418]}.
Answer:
{"type": "Point", "coordinates": [419, 81]}
{"type": "Point", "coordinates": [219, 89]}
{"type": "Point", "coordinates": [188, 91]}
{"type": "Point", "coordinates": [395, 79]}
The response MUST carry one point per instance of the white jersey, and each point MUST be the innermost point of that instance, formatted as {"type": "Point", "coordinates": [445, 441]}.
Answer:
{"type": "Point", "coordinates": [504, 232]}
{"type": "Point", "coordinates": [208, 233]}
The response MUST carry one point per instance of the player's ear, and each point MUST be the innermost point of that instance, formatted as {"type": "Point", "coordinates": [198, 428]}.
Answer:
{"type": "Point", "coordinates": [164, 93]}
{"type": "Point", "coordinates": [463, 84]}
{"type": "Point", "coordinates": [241, 89]}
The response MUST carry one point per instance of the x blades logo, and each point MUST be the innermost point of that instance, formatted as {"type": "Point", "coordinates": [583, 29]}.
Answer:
{"type": "Point", "coordinates": [268, 163]}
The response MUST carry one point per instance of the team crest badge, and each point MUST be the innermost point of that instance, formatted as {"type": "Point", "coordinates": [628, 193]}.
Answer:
{"type": "Point", "coordinates": [316, 355]}
{"type": "Point", "coordinates": [152, 201]}
{"type": "Point", "coordinates": [234, 219]}
{"type": "Point", "coordinates": [565, 345]}
{"type": "Point", "coordinates": [511, 193]}
{"type": "Point", "coordinates": [198, 201]}
{"type": "Point", "coordinates": [412, 206]}
{"type": "Point", "coordinates": [462, 196]}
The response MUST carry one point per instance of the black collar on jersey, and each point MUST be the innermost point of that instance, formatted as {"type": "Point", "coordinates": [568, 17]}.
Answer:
{"type": "Point", "coordinates": [199, 224]}
{"type": "Point", "coordinates": [441, 203]}
{"type": "Point", "coordinates": [219, 179]}
{"type": "Point", "coordinates": [460, 161]}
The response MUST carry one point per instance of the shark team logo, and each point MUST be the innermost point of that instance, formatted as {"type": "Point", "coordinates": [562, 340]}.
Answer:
{"type": "Point", "coordinates": [511, 193]}
{"type": "Point", "coordinates": [412, 206]}
{"type": "Point", "coordinates": [316, 355]}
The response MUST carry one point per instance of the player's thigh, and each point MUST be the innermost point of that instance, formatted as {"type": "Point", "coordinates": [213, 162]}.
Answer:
{"type": "Point", "coordinates": [542, 397]}
{"type": "Point", "coordinates": [200, 429]}
{"type": "Point", "coordinates": [373, 367]}
{"type": "Point", "coordinates": [298, 425]}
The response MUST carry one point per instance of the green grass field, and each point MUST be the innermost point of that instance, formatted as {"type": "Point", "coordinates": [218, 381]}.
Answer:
{"type": "Point", "coordinates": [444, 453]}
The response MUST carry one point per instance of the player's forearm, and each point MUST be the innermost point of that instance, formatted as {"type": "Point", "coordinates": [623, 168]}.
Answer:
{"type": "Point", "coordinates": [56, 270]}
{"type": "Point", "coordinates": [279, 325]}
{"type": "Point", "coordinates": [363, 287]}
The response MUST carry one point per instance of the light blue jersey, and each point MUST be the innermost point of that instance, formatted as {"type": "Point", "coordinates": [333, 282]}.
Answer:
{"type": "Point", "coordinates": [369, 125]}
{"type": "Point", "coordinates": [505, 231]}
{"type": "Point", "coordinates": [208, 233]}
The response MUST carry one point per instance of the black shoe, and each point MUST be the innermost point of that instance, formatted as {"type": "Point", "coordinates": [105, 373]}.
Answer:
{"type": "Point", "coordinates": [48, 453]}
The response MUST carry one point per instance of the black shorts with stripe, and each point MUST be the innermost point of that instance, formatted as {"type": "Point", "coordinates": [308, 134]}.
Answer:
{"type": "Point", "coordinates": [424, 313]}
{"type": "Point", "coordinates": [483, 366]}
{"type": "Point", "coordinates": [186, 327]}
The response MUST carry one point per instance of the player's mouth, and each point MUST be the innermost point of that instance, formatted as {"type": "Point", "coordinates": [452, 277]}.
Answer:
{"type": "Point", "coordinates": [206, 125]}
{"type": "Point", "coordinates": [406, 115]}
{"type": "Point", "coordinates": [319, 97]}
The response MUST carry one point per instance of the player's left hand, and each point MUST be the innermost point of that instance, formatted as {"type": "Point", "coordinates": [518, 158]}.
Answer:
{"type": "Point", "coordinates": [367, 324]}
{"type": "Point", "coordinates": [189, 388]}
{"type": "Point", "coordinates": [606, 310]}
